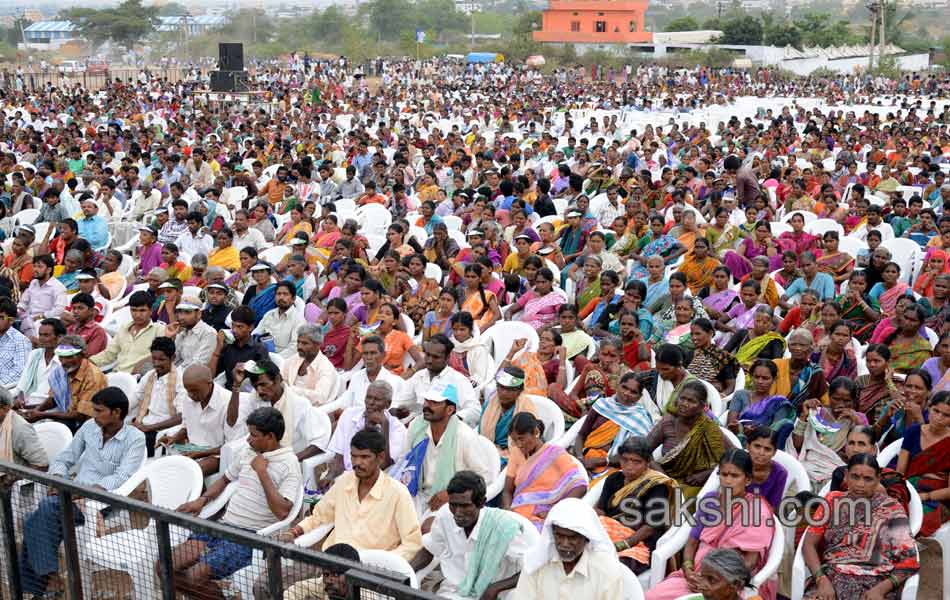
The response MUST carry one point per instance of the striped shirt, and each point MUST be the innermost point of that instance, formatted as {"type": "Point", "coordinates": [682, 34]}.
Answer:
{"type": "Point", "coordinates": [108, 464]}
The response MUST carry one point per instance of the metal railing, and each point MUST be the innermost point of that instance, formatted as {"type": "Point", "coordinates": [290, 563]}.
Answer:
{"type": "Point", "coordinates": [281, 561]}
{"type": "Point", "coordinates": [91, 80]}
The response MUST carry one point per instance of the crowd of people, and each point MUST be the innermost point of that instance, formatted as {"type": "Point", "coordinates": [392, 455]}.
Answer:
{"type": "Point", "coordinates": [393, 294]}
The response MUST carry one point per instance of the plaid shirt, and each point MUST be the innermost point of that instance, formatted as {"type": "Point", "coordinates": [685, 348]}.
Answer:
{"type": "Point", "coordinates": [14, 350]}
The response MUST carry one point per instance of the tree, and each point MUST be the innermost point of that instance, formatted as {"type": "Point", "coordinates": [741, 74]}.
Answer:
{"type": "Point", "coordinates": [779, 32]}
{"type": "Point", "coordinates": [125, 24]}
{"type": "Point", "coordinates": [823, 30]}
{"type": "Point", "coordinates": [172, 9]}
{"type": "Point", "coordinates": [390, 17]}
{"type": "Point", "coordinates": [745, 30]}
{"type": "Point", "coordinates": [686, 23]}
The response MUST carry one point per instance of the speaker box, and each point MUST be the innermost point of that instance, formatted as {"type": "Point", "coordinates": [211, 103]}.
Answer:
{"type": "Point", "coordinates": [229, 81]}
{"type": "Point", "coordinates": [231, 57]}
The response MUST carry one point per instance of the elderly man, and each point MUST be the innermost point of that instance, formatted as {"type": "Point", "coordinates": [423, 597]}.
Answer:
{"type": "Point", "coordinates": [310, 374]}
{"type": "Point", "coordinates": [160, 395]}
{"type": "Point", "coordinates": [103, 454]}
{"type": "Point", "coordinates": [284, 321]}
{"type": "Point", "coordinates": [72, 384]}
{"type": "Point", "coordinates": [373, 353]}
{"type": "Point", "coordinates": [203, 418]}
{"type": "Point", "coordinates": [92, 227]}
{"type": "Point", "coordinates": [461, 537]}
{"type": "Point", "coordinates": [18, 441]}
{"type": "Point", "coordinates": [574, 558]}
{"type": "Point", "coordinates": [194, 339]}
{"type": "Point", "coordinates": [33, 387]}
{"type": "Point", "coordinates": [374, 414]}
{"type": "Point", "coordinates": [46, 296]}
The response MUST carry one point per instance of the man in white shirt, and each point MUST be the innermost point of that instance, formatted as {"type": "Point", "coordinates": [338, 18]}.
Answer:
{"type": "Point", "coordinates": [374, 351]}
{"type": "Point", "coordinates": [160, 395]}
{"type": "Point", "coordinates": [195, 339]}
{"type": "Point", "coordinates": [33, 387]}
{"type": "Point", "coordinates": [283, 322]}
{"type": "Point", "coordinates": [373, 415]}
{"type": "Point", "coordinates": [309, 373]}
{"type": "Point", "coordinates": [244, 236]}
{"type": "Point", "coordinates": [203, 419]}
{"type": "Point", "coordinates": [438, 371]}
{"type": "Point", "coordinates": [574, 558]}
{"type": "Point", "coordinates": [611, 209]}
{"type": "Point", "coordinates": [462, 530]}
{"type": "Point", "coordinates": [195, 240]}
{"type": "Point", "coordinates": [199, 170]}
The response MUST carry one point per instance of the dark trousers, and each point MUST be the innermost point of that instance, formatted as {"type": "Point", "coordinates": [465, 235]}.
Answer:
{"type": "Point", "coordinates": [40, 553]}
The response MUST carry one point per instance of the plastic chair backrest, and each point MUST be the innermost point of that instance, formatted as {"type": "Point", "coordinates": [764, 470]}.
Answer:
{"type": "Point", "coordinates": [489, 449]}
{"type": "Point", "coordinates": [592, 497]}
{"type": "Point", "coordinates": [54, 437]}
{"type": "Point", "coordinates": [551, 414]}
{"type": "Point", "coordinates": [632, 590]}
{"type": "Point", "coordinates": [123, 381]}
{"type": "Point", "coordinates": [173, 480]}
{"type": "Point", "coordinates": [889, 453]}
{"type": "Point", "coordinates": [387, 561]}
{"type": "Point", "coordinates": [503, 337]}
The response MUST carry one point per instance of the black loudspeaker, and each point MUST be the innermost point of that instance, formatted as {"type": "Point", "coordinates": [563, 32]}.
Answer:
{"type": "Point", "coordinates": [231, 57]}
{"type": "Point", "coordinates": [229, 81]}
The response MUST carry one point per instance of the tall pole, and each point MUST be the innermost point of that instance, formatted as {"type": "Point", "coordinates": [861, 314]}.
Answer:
{"type": "Point", "coordinates": [880, 56]}
{"type": "Point", "coordinates": [872, 41]}
{"type": "Point", "coordinates": [471, 39]}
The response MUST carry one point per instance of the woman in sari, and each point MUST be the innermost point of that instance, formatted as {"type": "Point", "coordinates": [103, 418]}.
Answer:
{"type": "Point", "coordinates": [72, 265]}
{"type": "Point", "coordinates": [540, 306]}
{"type": "Point", "coordinates": [471, 356]}
{"type": "Point", "coordinates": [768, 289]}
{"type": "Point", "coordinates": [711, 363]}
{"type": "Point", "coordinates": [924, 460]}
{"type": "Point", "coordinates": [664, 309]}
{"type": "Point", "coordinates": [692, 442]}
{"type": "Point", "coordinates": [479, 302]}
{"type": "Point", "coordinates": [761, 244]}
{"type": "Point", "coordinates": [721, 233]}
{"type": "Point", "coordinates": [676, 330]}
{"type": "Point", "coordinates": [877, 386]}
{"type": "Point", "coordinates": [551, 356]}
{"type": "Point", "coordinates": [720, 296]}
{"type": "Point", "coordinates": [750, 536]}
{"type": "Point", "coordinates": [768, 477]}
{"type": "Point", "coordinates": [819, 435]}
{"type": "Point", "coordinates": [797, 240]}
{"type": "Point", "coordinates": [909, 349]}
{"type": "Point", "coordinates": [655, 281]}
{"type": "Point", "coordinates": [798, 378]}
{"type": "Point", "coordinates": [636, 351]}
{"type": "Point", "coordinates": [939, 366]}
{"type": "Point", "coordinates": [20, 261]}
{"type": "Point", "coordinates": [698, 266]}
{"type": "Point", "coordinates": [572, 238]}
{"type": "Point", "coordinates": [905, 411]}
{"type": "Point", "coordinates": [836, 359]}
{"type": "Point", "coordinates": [834, 262]}
{"type": "Point", "coordinates": [938, 303]}
{"type": "Point", "coordinates": [887, 292]}
{"type": "Point", "coordinates": [261, 295]}
{"type": "Point", "coordinates": [425, 290]}
{"type": "Point", "coordinates": [609, 295]}
{"type": "Point", "coordinates": [762, 375]}
{"type": "Point", "coordinates": [397, 342]}
{"type": "Point", "coordinates": [608, 424]}
{"type": "Point", "coordinates": [861, 440]}
{"type": "Point", "coordinates": [741, 317]}
{"type": "Point", "coordinates": [627, 495]}
{"type": "Point", "coordinates": [225, 255]}
{"type": "Point", "coordinates": [660, 244]}
{"type": "Point", "coordinates": [869, 555]}
{"type": "Point", "coordinates": [548, 474]}
{"type": "Point", "coordinates": [789, 271]}
{"type": "Point", "coordinates": [857, 308]}
{"type": "Point", "coordinates": [440, 319]}
{"type": "Point", "coordinates": [296, 224]}
{"type": "Point", "coordinates": [325, 240]}
{"type": "Point", "coordinates": [341, 338]}
{"type": "Point", "coordinates": [588, 287]}
{"type": "Point", "coordinates": [597, 378]}
{"type": "Point", "coordinates": [936, 265]}
{"type": "Point", "coordinates": [759, 342]}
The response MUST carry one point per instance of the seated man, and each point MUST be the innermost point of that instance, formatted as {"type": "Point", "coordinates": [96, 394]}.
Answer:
{"type": "Point", "coordinates": [465, 537]}
{"type": "Point", "coordinates": [72, 384]}
{"type": "Point", "coordinates": [83, 312]}
{"type": "Point", "coordinates": [335, 584]}
{"type": "Point", "coordinates": [194, 339]}
{"type": "Point", "coordinates": [131, 347]}
{"type": "Point", "coordinates": [436, 373]}
{"type": "Point", "coordinates": [202, 419]}
{"type": "Point", "coordinates": [160, 395]}
{"type": "Point", "coordinates": [92, 226]}
{"type": "Point", "coordinates": [310, 374]}
{"type": "Point", "coordinates": [373, 355]}
{"type": "Point", "coordinates": [374, 415]}
{"type": "Point", "coordinates": [104, 454]}
{"type": "Point", "coordinates": [508, 400]}
{"type": "Point", "coordinates": [439, 445]}
{"type": "Point", "coordinates": [238, 348]}
{"type": "Point", "coordinates": [18, 441]}
{"type": "Point", "coordinates": [367, 508]}
{"type": "Point", "coordinates": [268, 480]}
{"type": "Point", "coordinates": [573, 559]}
{"type": "Point", "coordinates": [15, 347]}
{"type": "Point", "coordinates": [44, 298]}
{"type": "Point", "coordinates": [217, 310]}
{"type": "Point", "coordinates": [33, 387]}
{"type": "Point", "coordinates": [283, 322]}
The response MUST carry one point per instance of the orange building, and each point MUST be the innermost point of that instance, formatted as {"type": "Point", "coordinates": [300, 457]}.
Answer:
{"type": "Point", "coordinates": [594, 22]}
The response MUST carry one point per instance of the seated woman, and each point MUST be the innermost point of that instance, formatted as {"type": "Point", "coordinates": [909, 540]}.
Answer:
{"type": "Point", "coordinates": [609, 294]}
{"type": "Point", "coordinates": [539, 307]}
{"type": "Point", "coordinates": [261, 294]}
{"type": "Point", "coordinates": [610, 422]}
{"type": "Point", "coordinates": [768, 477]}
{"type": "Point", "coordinates": [341, 339]}
{"type": "Point", "coordinates": [440, 319]}
{"type": "Point", "coordinates": [857, 308]}
{"type": "Point", "coordinates": [676, 330]}
{"type": "Point", "coordinates": [698, 266]}
{"type": "Point", "coordinates": [627, 496]}
{"type": "Point", "coordinates": [658, 244]}
{"type": "Point", "coordinates": [172, 264]}
{"type": "Point", "coordinates": [576, 340]}
{"type": "Point", "coordinates": [798, 378]}
{"type": "Point", "coordinates": [548, 475]}
{"type": "Point", "coordinates": [906, 410]}
{"type": "Point", "coordinates": [867, 556]}
{"type": "Point", "coordinates": [741, 317]}
{"type": "Point", "coordinates": [789, 271]}
{"type": "Point", "coordinates": [925, 461]}
{"type": "Point", "coordinates": [471, 356]}
{"type": "Point", "coordinates": [72, 265]}
{"type": "Point", "coordinates": [692, 442]}
{"type": "Point", "coordinates": [297, 223]}
{"type": "Point", "coordinates": [819, 435]}
{"type": "Point", "coordinates": [664, 383]}
{"type": "Point", "coordinates": [768, 289]}
{"type": "Point", "coordinates": [225, 255]}
{"type": "Point", "coordinates": [739, 261]}
{"type": "Point", "coordinates": [757, 406]}
{"type": "Point", "coordinates": [834, 262]}
{"type": "Point", "coordinates": [888, 291]}
{"type": "Point", "coordinates": [636, 351]}
{"type": "Point", "coordinates": [939, 365]}
{"type": "Point", "coordinates": [836, 359]}
{"type": "Point", "coordinates": [720, 296]}
{"type": "Point", "coordinates": [631, 300]}
{"type": "Point", "coordinates": [656, 282]}
{"type": "Point", "coordinates": [479, 302]}
{"type": "Point", "coordinates": [398, 342]}
{"type": "Point", "coordinates": [876, 387]}
{"type": "Point", "coordinates": [711, 363]}
{"type": "Point", "coordinates": [861, 441]}
{"type": "Point", "coordinates": [597, 378]}
{"type": "Point", "coordinates": [759, 342]}
{"type": "Point", "coordinates": [909, 349]}
{"type": "Point", "coordinates": [750, 535]}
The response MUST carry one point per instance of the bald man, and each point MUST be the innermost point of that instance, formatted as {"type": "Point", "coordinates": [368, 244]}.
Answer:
{"type": "Point", "coordinates": [202, 419]}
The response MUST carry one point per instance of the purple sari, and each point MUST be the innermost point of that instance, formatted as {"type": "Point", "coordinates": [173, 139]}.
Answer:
{"type": "Point", "coordinates": [721, 301]}
{"type": "Point", "coordinates": [773, 488]}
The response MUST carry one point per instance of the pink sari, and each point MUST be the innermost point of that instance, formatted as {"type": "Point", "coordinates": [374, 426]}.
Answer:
{"type": "Point", "coordinates": [540, 311]}
{"type": "Point", "coordinates": [888, 299]}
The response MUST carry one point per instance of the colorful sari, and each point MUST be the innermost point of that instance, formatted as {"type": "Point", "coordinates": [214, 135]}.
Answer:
{"type": "Point", "coordinates": [546, 478]}
{"type": "Point", "coordinates": [662, 246]}
{"type": "Point", "coordinates": [721, 301]}
{"type": "Point", "coordinates": [698, 273]}
{"type": "Point", "coordinates": [480, 311]}
{"type": "Point", "coordinates": [592, 376]}
{"type": "Point", "coordinates": [927, 472]}
{"type": "Point", "coordinates": [712, 363]}
{"type": "Point", "coordinates": [750, 350]}
{"type": "Point", "coordinates": [871, 396]}
{"type": "Point", "coordinates": [612, 424]}
{"type": "Point", "coordinates": [809, 384]}
{"type": "Point", "coordinates": [535, 379]}
{"type": "Point", "coordinates": [619, 504]}
{"type": "Point", "coordinates": [540, 311]}
{"type": "Point", "coordinates": [263, 301]}
{"type": "Point", "coordinates": [853, 314]}
{"type": "Point", "coordinates": [724, 240]}
{"type": "Point", "coordinates": [861, 553]}
{"type": "Point", "coordinates": [798, 243]}
{"type": "Point", "coordinates": [837, 264]}
{"type": "Point", "coordinates": [739, 261]}
{"type": "Point", "coordinates": [907, 355]}
{"type": "Point", "coordinates": [495, 424]}
{"type": "Point", "coordinates": [571, 240]}
{"type": "Point", "coordinates": [843, 367]}
{"type": "Point", "coordinates": [887, 299]}
{"type": "Point", "coordinates": [421, 300]}
{"type": "Point", "coordinates": [700, 450]}
{"type": "Point", "coordinates": [226, 258]}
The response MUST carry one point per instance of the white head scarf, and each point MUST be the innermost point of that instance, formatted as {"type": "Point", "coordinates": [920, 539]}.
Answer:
{"type": "Point", "coordinates": [579, 517]}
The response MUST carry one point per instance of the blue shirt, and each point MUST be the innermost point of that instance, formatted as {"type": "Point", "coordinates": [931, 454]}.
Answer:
{"type": "Point", "coordinates": [822, 283]}
{"type": "Point", "coordinates": [95, 230]}
{"type": "Point", "coordinates": [14, 350]}
{"type": "Point", "coordinates": [107, 465]}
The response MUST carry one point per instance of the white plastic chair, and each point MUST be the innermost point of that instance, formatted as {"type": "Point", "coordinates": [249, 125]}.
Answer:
{"type": "Point", "coordinates": [592, 497]}
{"type": "Point", "coordinates": [551, 415]}
{"type": "Point", "coordinates": [434, 271]}
{"type": "Point", "coordinates": [274, 254]}
{"type": "Point", "coordinates": [632, 590]}
{"type": "Point", "coordinates": [807, 215]}
{"type": "Point", "coordinates": [393, 563]}
{"type": "Point", "coordinates": [27, 216]}
{"type": "Point", "coordinates": [172, 481]}
{"type": "Point", "coordinates": [452, 222]}
{"type": "Point", "coordinates": [373, 218]}
{"type": "Point", "coordinates": [821, 226]}
{"type": "Point", "coordinates": [54, 437]}
{"type": "Point", "coordinates": [570, 436]}
{"type": "Point", "coordinates": [889, 453]}
{"type": "Point", "coordinates": [905, 253]}
{"type": "Point", "coordinates": [117, 319]}
{"type": "Point", "coordinates": [502, 338]}
{"type": "Point", "coordinates": [126, 383]}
